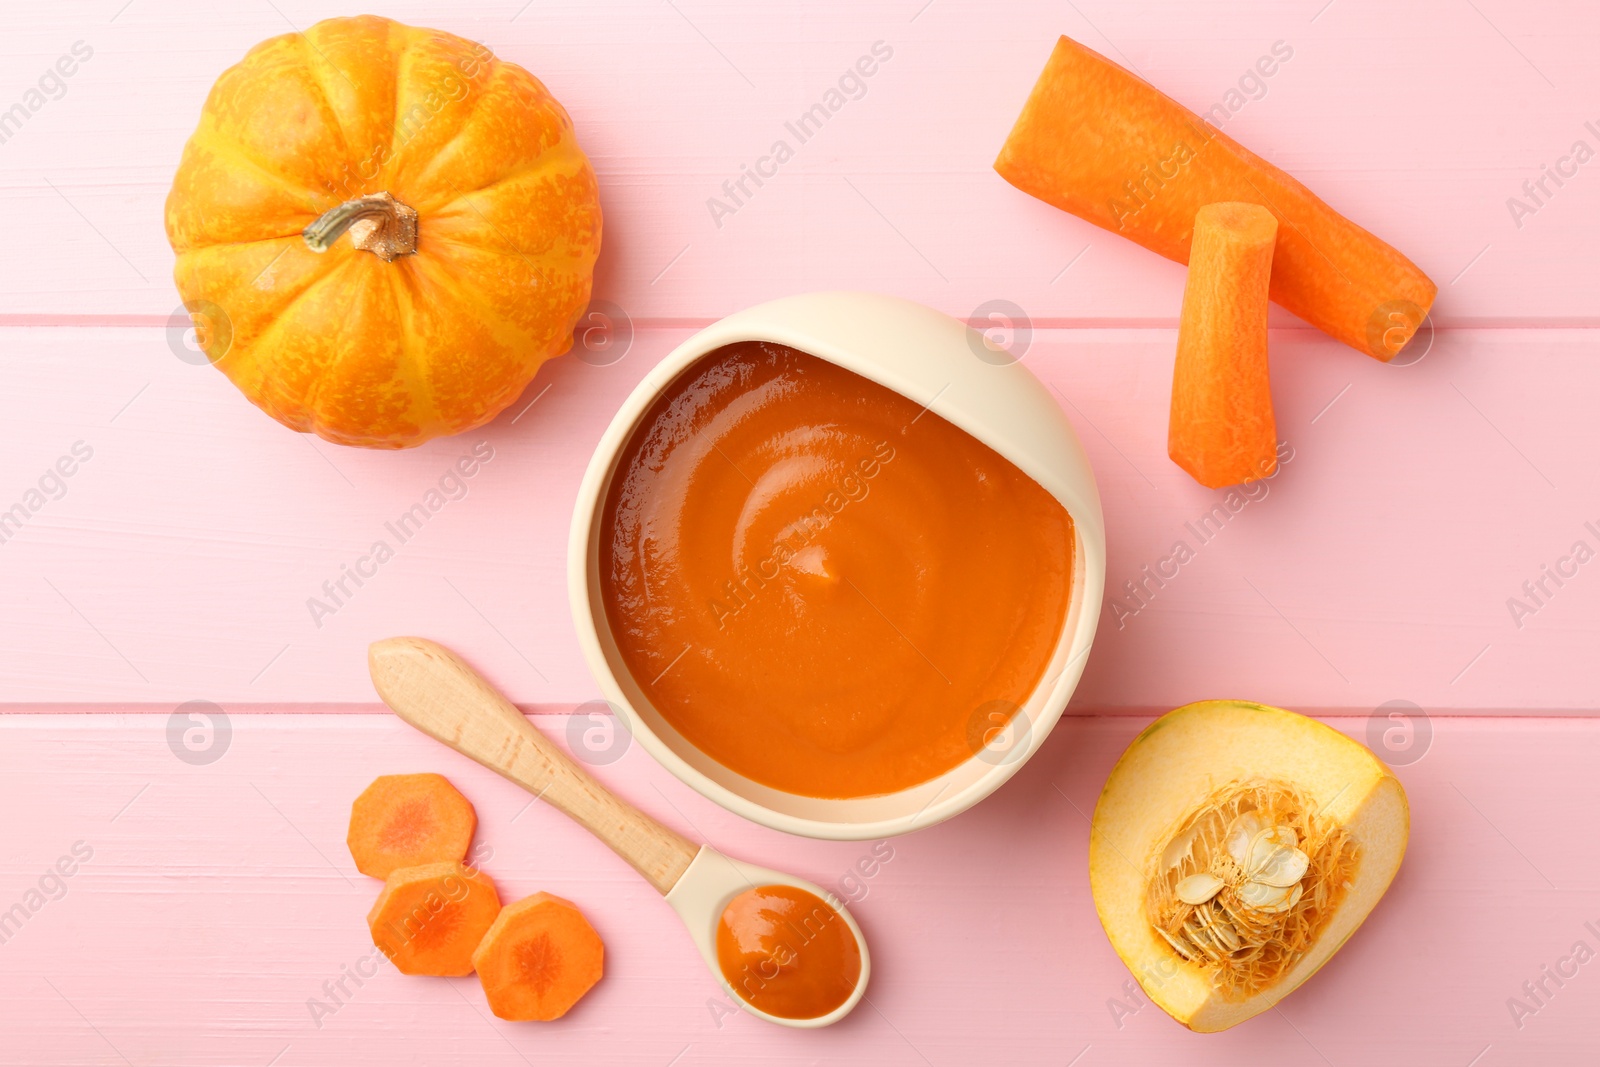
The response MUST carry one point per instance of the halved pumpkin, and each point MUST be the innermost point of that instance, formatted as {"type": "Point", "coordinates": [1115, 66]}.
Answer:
{"type": "Point", "coordinates": [1234, 849]}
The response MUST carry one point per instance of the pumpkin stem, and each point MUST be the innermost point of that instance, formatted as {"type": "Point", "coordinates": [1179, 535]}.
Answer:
{"type": "Point", "coordinates": [378, 223]}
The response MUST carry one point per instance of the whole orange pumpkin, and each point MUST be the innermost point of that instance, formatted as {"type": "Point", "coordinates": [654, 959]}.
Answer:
{"type": "Point", "coordinates": [382, 231]}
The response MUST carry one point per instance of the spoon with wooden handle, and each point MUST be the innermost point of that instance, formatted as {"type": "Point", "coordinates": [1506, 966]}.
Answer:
{"type": "Point", "coordinates": [434, 690]}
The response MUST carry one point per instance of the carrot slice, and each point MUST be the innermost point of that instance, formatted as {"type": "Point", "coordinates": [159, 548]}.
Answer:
{"type": "Point", "coordinates": [1222, 431]}
{"type": "Point", "coordinates": [403, 820]}
{"type": "Point", "coordinates": [538, 959]}
{"type": "Point", "coordinates": [429, 919]}
{"type": "Point", "coordinates": [1103, 144]}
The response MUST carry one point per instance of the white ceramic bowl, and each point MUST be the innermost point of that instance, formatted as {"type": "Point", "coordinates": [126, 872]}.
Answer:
{"type": "Point", "coordinates": [934, 360]}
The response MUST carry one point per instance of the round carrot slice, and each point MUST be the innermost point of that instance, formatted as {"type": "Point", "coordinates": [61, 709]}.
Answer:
{"type": "Point", "coordinates": [404, 820]}
{"type": "Point", "coordinates": [538, 959]}
{"type": "Point", "coordinates": [429, 919]}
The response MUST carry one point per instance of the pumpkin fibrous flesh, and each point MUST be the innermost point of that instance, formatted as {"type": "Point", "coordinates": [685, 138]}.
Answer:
{"type": "Point", "coordinates": [457, 218]}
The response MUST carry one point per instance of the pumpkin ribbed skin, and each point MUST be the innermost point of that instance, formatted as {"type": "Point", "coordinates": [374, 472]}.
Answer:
{"type": "Point", "coordinates": [342, 343]}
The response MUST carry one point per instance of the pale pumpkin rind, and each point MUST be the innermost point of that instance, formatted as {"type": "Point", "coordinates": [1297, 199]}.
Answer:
{"type": "Point", "coordinates": [343, 344]}
{"type": "Point", "coordinates": [1173, 766]}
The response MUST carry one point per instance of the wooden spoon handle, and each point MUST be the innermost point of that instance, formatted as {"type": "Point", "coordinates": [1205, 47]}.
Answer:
{"type": "Point", "coordinates": [431, 688]}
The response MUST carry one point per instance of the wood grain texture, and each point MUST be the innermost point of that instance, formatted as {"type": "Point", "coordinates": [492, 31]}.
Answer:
{"type": "Point", "coordinates": [219, 899]}
{"type": "Point", "coordinates": [1418, 123]}
{"type": "Point", "coordinates": [1378, 566]}
{"type": "Point", "coordinates": [176, 563]}
{"type": "Point", "coordinates": [434, 690]}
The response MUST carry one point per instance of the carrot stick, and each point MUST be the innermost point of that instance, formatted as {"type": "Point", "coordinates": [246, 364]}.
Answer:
{"type": "Point", "coordinates": [1106, 146]}
{"type": "Point", "coordinates": [1222, 430]}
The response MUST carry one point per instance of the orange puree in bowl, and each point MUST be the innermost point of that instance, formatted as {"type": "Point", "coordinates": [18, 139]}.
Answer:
{"type": "Point", "coordinates": [787, 952]}
{"type": "Point", "coordinates": [821, 584]}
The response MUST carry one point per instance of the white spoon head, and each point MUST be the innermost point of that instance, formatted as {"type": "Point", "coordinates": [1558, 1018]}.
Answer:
{"type": "Point", "coordinates": [704, 892]}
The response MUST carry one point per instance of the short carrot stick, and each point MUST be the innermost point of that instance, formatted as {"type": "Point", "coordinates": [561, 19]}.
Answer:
{"type": "Point", "coordinates": [1103, 144]}
{"type": "Point", "coordinates": [1221, 430]}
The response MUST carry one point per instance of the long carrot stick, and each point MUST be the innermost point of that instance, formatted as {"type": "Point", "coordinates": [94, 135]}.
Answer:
{"type": "Point", "coordinates": [1222, 430]}
{"type": "Point", "coordinates": [1106, 146]}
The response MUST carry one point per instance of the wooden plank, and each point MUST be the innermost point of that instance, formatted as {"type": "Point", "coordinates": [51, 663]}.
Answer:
{"type": "Point", "coordinates": [1420, 124]}
{"type": "Point", "coordinates": [1377, 566]}
{"type": "Point", "coordinates": [219, 899]}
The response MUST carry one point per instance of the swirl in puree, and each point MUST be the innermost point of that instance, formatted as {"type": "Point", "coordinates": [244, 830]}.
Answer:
{"type": "Point", "coordinates": [820, 583]}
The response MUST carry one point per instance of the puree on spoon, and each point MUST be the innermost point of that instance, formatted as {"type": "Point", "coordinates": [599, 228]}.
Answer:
{"type": "Point", "coordinates": [787, 952]}
{"type": "Point", "coordinates": [820, 583]}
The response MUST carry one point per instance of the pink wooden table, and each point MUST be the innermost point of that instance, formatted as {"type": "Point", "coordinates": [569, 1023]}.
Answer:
{"type": "Point", "coordinates": [1384, 564]}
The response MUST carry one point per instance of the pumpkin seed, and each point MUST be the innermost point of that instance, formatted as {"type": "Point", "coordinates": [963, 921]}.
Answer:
{"type": "Point", "coordinates": [1199, 888]}
{"type": "Point", "coordinates": [1274, 859]}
